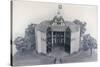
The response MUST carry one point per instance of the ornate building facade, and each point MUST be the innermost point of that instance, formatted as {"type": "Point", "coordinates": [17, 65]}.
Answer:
{"type": "Point", "coordinates": [57, 33]}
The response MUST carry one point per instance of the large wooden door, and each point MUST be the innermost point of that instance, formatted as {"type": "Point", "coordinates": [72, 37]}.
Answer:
{"type": "Point", "coordinates": [67, 40]}
{"type": "Point", "coordinates": [49, 40]}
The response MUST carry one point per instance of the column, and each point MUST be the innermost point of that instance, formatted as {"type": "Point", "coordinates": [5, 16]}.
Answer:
{"type": "Point", "coordinates": [52, 38]}
{"type": "Point", "coordinates": [64, 37]}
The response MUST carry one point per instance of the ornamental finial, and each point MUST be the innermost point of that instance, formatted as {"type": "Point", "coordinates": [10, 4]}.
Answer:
{"type": "Point", "coordinates": [59, 6]}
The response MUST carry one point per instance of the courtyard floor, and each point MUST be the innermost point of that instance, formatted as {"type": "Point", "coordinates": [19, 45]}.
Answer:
{"type": "Point", "coordinates": [55, 57]}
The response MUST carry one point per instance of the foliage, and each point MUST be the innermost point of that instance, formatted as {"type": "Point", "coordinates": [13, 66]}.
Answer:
{"type": "Point", "coordinates": [89, 42]}
{"type": "Point", "coordinates": [28, 42]}
{"type": "Point", "coordinates": [30, 36]}
{"type": "Point", "coordinates": [20, 44]}
{"type": "Point", "coordinates": [82, 26]}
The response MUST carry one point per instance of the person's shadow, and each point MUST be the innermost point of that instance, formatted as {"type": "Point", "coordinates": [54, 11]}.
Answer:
{"type": "Point", "coordinates": [60, 60]}
{"type": "Point", "coordinates": [57, 59]}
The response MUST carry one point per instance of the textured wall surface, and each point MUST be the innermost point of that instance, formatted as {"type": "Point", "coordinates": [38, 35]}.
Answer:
{"type": "Point", "coordinates": [75, 41]}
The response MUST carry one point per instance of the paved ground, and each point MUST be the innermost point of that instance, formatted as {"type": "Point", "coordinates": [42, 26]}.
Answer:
{"type": "Point", "coordinates": [33, 59]}
{"type": "Point", "coordinates": [58, 52]}
{"type": "Point", "coordinates": [57, 56]}
{"type": "Point", "coordinates": [82, 56]}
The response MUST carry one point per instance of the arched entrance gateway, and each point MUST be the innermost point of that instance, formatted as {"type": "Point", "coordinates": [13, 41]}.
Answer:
{"type": "Point", "coordinates": [57, 34]}
{"type": "Point", "coordinates": [58, 39]}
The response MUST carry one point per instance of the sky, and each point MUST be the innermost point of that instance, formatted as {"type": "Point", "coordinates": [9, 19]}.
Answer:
{"type": "Point", "coordinates": [27, 12]}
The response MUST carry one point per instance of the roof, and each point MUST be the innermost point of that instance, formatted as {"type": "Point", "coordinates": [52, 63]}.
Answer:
{"type": "Point", "coordinates": [47, 23]}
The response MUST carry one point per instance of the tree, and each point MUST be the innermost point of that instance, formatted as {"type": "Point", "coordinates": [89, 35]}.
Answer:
{"type": "Point", "coordinates": [82, 26]}
{"type": "Point", "coordinates": [30, 37]}
{"type": "Point", "coordinates": [26, 44]}
{"type": "Point", "coordinates": [89, 43]}
{"type": "Point", "coordinates": [20, 44]}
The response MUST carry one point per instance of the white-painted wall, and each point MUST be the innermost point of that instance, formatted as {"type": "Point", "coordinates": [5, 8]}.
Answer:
{"type": "Point", "coordinates": [75, 42]}
{"type": "Point", "coordinates": [38, 43]}
{"type": "Point", "coordinates": [43, 42]}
